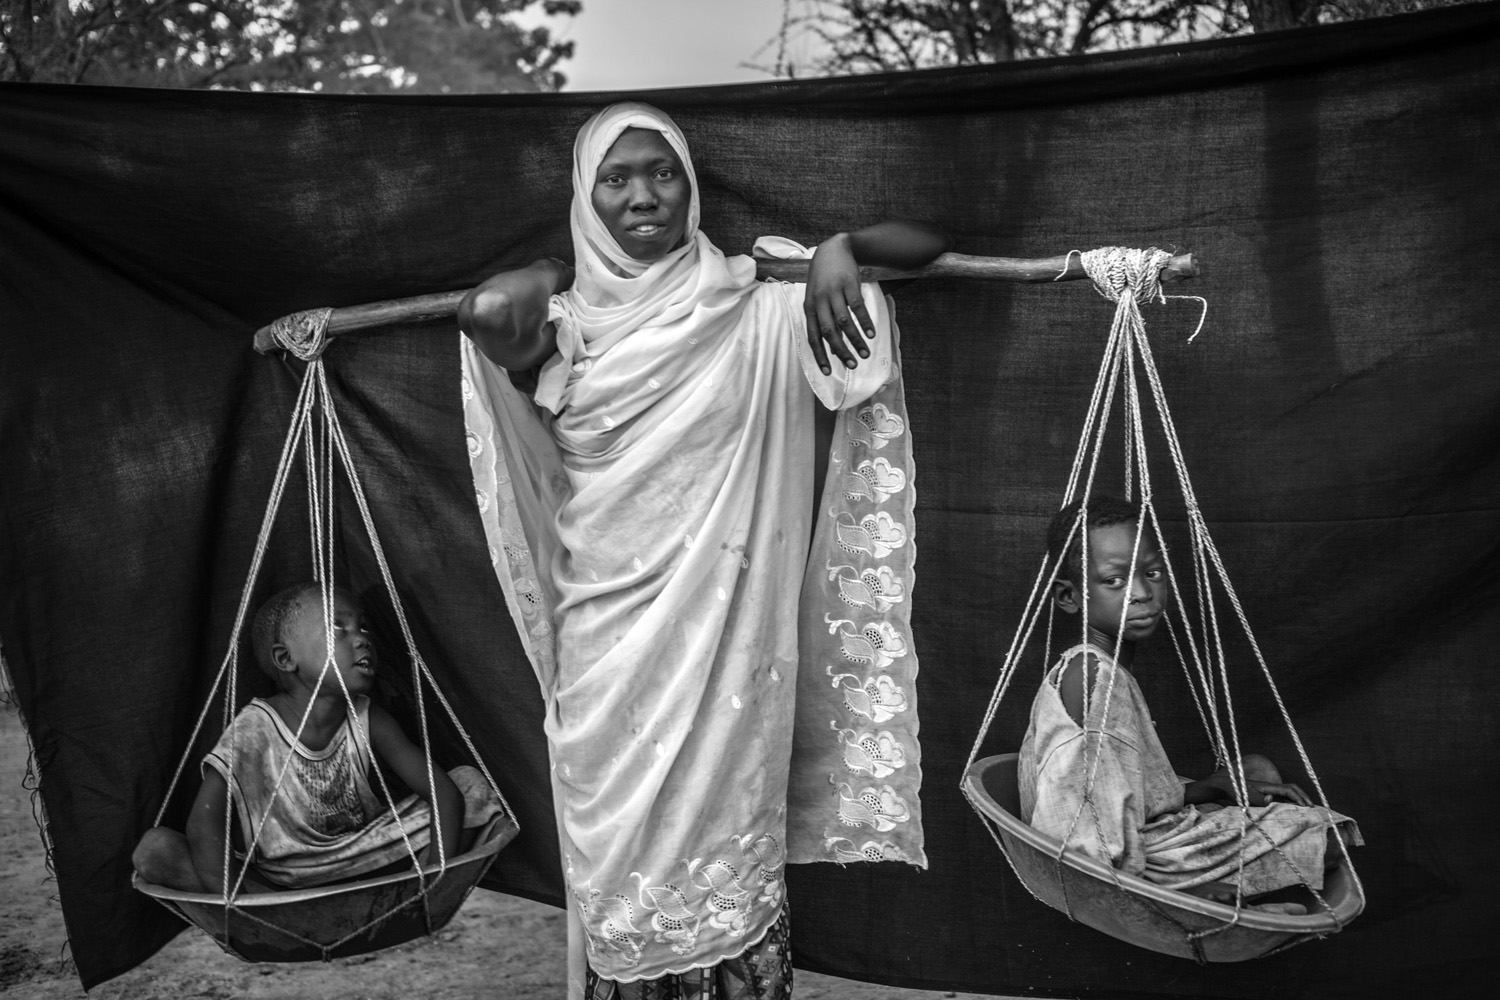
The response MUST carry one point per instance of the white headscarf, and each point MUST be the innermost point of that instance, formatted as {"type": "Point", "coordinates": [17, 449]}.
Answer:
{"type": "Point", "coordinates": [613, 294]}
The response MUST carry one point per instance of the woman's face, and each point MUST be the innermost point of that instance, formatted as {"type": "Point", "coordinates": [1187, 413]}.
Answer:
{"type": "Point", "coordinates": [642, 194]}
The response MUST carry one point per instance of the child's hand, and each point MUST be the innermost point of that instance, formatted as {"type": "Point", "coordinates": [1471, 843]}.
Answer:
{"type": "Point", "coordinates": [833, 305]}
{"type": "Point", "coordinates": [1261, 792]}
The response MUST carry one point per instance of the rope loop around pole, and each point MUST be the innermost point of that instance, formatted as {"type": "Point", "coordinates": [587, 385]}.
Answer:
{"type": "Point", "coordinates": [304, 335]}
{"type": "Point", "coordinates": [1116, 270]}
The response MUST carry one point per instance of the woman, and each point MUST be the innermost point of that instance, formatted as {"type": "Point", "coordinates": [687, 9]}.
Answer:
{"type": "Point", "coordinates": [651, 530]}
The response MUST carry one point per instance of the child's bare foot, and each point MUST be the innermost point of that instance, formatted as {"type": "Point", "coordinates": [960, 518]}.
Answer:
{"type": "Point", "coordinates": [162, 857]}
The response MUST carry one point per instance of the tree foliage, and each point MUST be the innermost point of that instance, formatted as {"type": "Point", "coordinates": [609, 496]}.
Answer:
{"type": "Point", "coordinates": [864, 36]}
{"type": "Point", "coordinates": [363, 46]}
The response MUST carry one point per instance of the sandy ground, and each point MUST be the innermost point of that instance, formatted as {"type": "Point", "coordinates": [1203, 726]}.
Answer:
{"type": "Point", "coordinates": [498, 946]}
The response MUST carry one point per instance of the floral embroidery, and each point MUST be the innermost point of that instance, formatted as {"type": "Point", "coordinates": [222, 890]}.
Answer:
{"type": "Point", "coordinates": [879, 807]}
{"type": "Point", "coordinates": [844, 850]}
{"type": "Point", "coordinates": [613, 918]}
{"type": "Point", "coordinates": [873, 590]}
{"type": "Point", "coordinates": [877, 699]}
{"type": "Point", "coordinates": [878, 643]}
{"type": "Point", "coordinates": [876, 589]}
{"type": "Point", "coordinates": [772, 857]}
{"type": "Point", "coordinates": [728, 901]}
{"type": "Point", "coordinates": [672, 921]}
{"type": "Point", "coordinates": [875, 479]}
{"type": "Point", "coordinates": [875, 426]}
{"type": "Point", "coordinates": [874, 754]}
{"type": "Point", "coordinates": [724, 902]}
{"type": "Point", "coordinates": [876, 534]}
{"type": "Point", "coordinates": [527, 592]}
{"type": "Point", "coordinates": [868, 503]}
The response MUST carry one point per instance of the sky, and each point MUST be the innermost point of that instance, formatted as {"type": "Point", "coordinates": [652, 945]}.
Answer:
{"type": "Point", "coordinates": [637, 44]}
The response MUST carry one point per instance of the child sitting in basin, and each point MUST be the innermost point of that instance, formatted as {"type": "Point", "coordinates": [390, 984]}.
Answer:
{"type": "Point", "coordinates": [1092, 771]}
{"type": "Point", "coordinates": [311, 798]}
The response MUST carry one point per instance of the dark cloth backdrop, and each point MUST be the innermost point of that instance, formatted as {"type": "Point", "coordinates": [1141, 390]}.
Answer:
{"type": "Point", "coordinates": [1341, 416]}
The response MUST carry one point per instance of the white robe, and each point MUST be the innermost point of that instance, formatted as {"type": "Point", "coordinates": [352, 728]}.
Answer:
{"type": "Point", "coordinates": [660, 606]}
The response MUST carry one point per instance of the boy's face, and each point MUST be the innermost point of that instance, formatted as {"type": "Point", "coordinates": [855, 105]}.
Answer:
{"type": "Point", "coordinates": [303, 640]}
{"type": "Point", "coordinates": [1113, 594]}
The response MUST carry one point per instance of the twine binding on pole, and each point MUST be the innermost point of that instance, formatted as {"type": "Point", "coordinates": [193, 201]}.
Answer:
{"type": "Point", "coordinates": [304, 335]}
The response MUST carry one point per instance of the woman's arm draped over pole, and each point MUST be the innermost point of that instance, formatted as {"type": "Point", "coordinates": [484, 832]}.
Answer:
{"type": "Point", "coordinates": [506, 315]}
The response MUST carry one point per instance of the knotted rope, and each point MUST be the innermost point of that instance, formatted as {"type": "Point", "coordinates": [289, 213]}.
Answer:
{"type": "Point", "coordinates": [303, 335]}
{"type": "Point", "coordinates": [1118, 271]}
{"type": "Point", "coordinates": [1128, 276]}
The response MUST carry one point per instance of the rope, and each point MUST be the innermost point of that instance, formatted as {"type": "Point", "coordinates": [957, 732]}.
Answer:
{"type": "Point", "coordinates": [321, 514]}
{"type": "Point", "coordinates": [418, 662]}
{"type": "Point", "coordinates": [1119, 275]}
{"type": "Point", "coordinates": [231, 656]}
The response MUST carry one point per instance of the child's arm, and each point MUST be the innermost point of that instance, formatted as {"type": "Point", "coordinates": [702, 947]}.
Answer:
{"type": "Point", "coordinates": [833, 282]}
{"type": "Point", "coordinates": [205, 831]}
{"type": "Point", "coordinates": [1076, 677]}
{"type": "Point", "coordinates": [506, 316]}
{"type": "Point", "coordinates": [391, 745]}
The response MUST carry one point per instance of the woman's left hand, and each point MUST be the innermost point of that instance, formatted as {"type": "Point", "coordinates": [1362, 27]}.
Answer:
{"type": "Point", "coordinates": [835, 310]}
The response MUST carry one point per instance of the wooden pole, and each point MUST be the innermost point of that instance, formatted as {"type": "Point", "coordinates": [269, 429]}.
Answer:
{"type": "Point", "coordinates": [443, 305]}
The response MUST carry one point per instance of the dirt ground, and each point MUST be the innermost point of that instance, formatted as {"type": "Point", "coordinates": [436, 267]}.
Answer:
{"type": "Point", "coordinates": [498, 946]}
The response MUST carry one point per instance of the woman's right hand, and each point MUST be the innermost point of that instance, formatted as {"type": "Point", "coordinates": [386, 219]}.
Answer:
{"type": "Point", "coordinates": [506, 316]}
